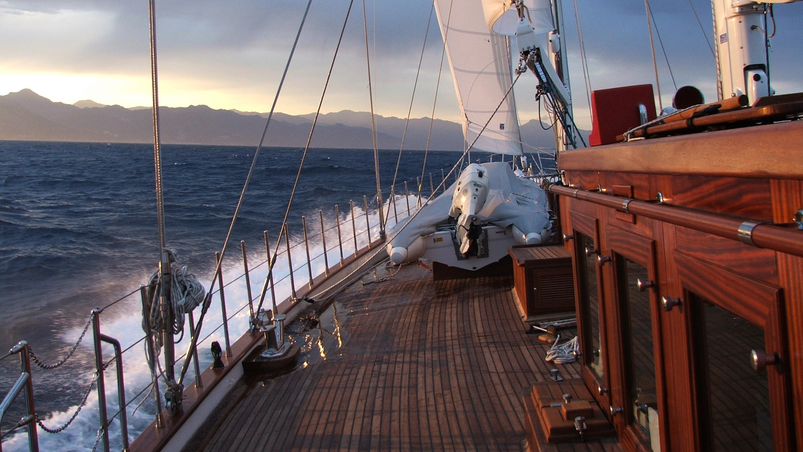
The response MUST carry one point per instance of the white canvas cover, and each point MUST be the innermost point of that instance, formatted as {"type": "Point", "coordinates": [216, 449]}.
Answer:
{"type": "Point", "coordinates": [511, 201]}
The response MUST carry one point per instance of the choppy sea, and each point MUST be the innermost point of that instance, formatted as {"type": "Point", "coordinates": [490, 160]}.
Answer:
{"type": "Point", "coordinates": [78, 231]}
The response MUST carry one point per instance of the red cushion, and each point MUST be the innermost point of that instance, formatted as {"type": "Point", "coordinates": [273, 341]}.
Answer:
{"type": "Point", "coordinates": [615, 111]}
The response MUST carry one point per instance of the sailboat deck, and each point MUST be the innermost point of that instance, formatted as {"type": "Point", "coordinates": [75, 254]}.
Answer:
{"type": "Point", "coordinates": [405, 364]}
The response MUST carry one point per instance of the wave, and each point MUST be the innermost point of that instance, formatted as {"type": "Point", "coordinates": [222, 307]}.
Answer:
{"type": "Point", "coordinates": [123, 322]}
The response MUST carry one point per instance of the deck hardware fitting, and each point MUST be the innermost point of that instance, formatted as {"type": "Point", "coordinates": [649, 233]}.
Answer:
{"type": "Point", "coordinates": [644, 284]}
{"type": "Point", "coordinates": [760, 360]}
{"type": "Point", "coordinates": [217, 353]}
{"type": "Point", "coordinates": [602, 390]}
{"type": "Point", "coordinates": [660, 198]}
{"type": "Point", "coordinates": [642, 114]}
{"type": "Point", "coordinates": [668, 303]}
{"type": "Point", "coordinates": [591, 251]}
{"type": "Point", "coordinates": [567, 398]}
{"type": "Point", "coordinates": [745, 232]}
{"type": "Point", "coordinates": [568, 237]}
{"type": "Point", "coordinates": [601, 260]}
{"type": "Point", "coordinates": [580, 426]}
{"type": "Point", "coordinates": [625, 204]}
{"type": "Point", "coordinates": [600, 189]}
{"type": "Point", "coordinates": [614, 410]}
{"type": "Point", "coordinates": [555, 375]}
{"type": "Point", "coordinates": [799, 219]}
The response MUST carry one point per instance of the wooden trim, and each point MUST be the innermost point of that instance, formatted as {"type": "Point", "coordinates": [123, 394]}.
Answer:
{"type": "Point", "coordinates": [641, 250]}
{"type": "Point", "coordinates": [589, 227]}
{"type": "Point", "coordinates": [787, 199]}
{"type": "Point", "coordinates": [712, 283]}
{"type": "Point", "coordinates": [762, 305]}
{"type": "Point", "coordinates": [732, 152]}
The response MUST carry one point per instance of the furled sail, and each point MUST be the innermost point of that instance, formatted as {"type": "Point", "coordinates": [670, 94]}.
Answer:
{"type": "Point", "coordinates": [481, 69]}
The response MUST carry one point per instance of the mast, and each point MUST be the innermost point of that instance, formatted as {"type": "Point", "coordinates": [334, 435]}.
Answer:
{"type": "Point", "coordinates": [557, 55]}
{"type": "Point", "coordinates": [741, 42]}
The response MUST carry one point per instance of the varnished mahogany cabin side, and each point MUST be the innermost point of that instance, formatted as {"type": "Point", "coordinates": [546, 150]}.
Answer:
{"type": "Point", "coordinates": [671, 301]}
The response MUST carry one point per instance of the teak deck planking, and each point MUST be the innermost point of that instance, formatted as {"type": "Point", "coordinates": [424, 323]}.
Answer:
{"type": "Point", "coordinates": [425, 365]}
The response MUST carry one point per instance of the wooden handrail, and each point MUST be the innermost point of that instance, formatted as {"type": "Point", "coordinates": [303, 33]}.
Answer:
{"type": "Point", "coordinates": [761, 235]}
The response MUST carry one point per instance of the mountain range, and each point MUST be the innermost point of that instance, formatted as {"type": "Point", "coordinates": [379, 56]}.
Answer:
{"type": "Point", "coordinates": [25, 115]}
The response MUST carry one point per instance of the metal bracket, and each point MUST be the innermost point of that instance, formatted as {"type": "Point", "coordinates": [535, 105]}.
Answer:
{"type": "Point", "coordinates": [745, 232]}
{"type": "Point", "coordinates": [625, 205]}
{"type": "Point", "coordinates": [555, 375]}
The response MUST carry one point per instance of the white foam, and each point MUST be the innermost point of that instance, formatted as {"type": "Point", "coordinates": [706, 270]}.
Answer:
{"type": "Point", "coordinates": [123, 322]}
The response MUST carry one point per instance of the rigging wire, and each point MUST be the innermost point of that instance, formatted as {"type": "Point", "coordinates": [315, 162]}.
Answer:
{"type": "Point", "coordinates": [663, 49]}
{"type": "Point", "coordinates": [283, 229]}
{"type": "Point", "coordinates": [702, 30]}
{"type": "Point", "coordinates": [654, 61]}
{"type": "Point", "coordinates": [410, 109]}
{"type": "Point", "coordinates": [157, 153]}
{"type": "Point", "coordinates": [219, 263]}
{"type": "Point", "coordinates": [373, 123]}
{"type": "Point", "coordinates": [583, 60]}
{"type": "Point", "coordinates": [435, 100]}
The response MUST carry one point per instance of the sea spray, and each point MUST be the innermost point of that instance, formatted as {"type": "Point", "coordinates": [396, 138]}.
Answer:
{"type": "Point", "coordinates": [123, 321]}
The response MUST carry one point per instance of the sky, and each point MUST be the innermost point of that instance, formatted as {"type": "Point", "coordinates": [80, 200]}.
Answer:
{"type": "Point", "coordinates": [231, 54]}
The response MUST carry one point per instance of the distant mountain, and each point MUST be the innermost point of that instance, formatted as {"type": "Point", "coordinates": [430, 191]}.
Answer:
{"type": "Point", "coordinates": [86, 103]}
{"type": "Point", "coordinates": [25, 115]}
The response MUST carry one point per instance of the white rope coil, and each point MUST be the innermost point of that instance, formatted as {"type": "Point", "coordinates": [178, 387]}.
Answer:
{"type": "Point", "coordinates": [563, 353]}
{"type": "Point", "coordinates": [186, 292]}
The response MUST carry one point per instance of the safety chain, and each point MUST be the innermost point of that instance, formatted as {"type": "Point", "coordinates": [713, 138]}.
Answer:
{"type": "Point", "coordinates": [39, 363]}
{"type": "Point", "coordinates": [72, 418]}
{"type": "Point", "coordinates": [97, 438]}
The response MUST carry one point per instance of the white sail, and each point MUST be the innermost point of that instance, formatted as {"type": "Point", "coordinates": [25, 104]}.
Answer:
{"type": "Point", "coordinates": [481, 69]}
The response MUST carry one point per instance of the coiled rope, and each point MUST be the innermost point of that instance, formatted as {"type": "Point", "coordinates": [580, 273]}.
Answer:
{"type": "Point", "coordinates": [563, 353]}
{"type": "Point", "coordinates": [186, 292]}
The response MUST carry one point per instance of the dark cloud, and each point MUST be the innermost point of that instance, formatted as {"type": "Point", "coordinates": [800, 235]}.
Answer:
{"type": "Point", "coordinates": [246, 42]}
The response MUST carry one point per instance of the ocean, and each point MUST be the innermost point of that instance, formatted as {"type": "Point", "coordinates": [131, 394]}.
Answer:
{"type": "Point", "coordinates": [78, 231]}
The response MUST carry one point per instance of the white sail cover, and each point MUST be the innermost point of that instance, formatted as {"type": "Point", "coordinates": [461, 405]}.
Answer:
{"type": "Point", "coordinates": [481, 71]}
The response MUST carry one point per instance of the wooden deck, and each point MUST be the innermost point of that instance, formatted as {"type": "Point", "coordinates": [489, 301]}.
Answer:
{"type": "Point", "coordinates": [423, 365]}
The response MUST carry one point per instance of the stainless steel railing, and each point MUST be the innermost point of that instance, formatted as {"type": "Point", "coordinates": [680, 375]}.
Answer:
{"type": "Point", "coordinates": [339, 249]}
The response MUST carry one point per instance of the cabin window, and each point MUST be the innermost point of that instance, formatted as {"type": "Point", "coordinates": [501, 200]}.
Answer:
{"type": "Point", "coordinates": [734, 399]}
{"type": "Point", "coordinates": [589, 302]}
{"type": "Point", "coordinates": [637, 329]}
